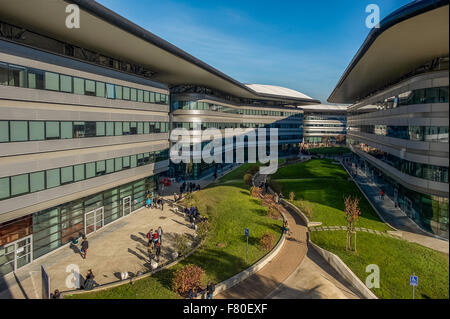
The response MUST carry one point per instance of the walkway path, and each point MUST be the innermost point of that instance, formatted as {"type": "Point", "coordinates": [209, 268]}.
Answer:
{"type": "Point", "coordinates": [394, 216]}
{"type": "Point", "coordinates": [292, 273]}
{"type": "Point", "coordinates": [119, 247]}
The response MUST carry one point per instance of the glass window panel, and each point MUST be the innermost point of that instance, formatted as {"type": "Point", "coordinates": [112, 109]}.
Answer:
{"type": "Point", "coordinates": [126, 162]}
{"type": "Point", "coordinates": [146, 127]}
{"type": "Point", "coordinates": [78, 172]}
{"type": "Point", "coordinates": [110, 92]}
{"type": "Point", "coordinates": [118, 128]}
{"type": "Point", "coordinates": [126, 128]}
{"type": "Point", "coordinates": [18, 131]}
{"type": "Point", "coordinates": [158, 98]}
{"type": "Point", "coordinates": [4, 131]}
{"type": "Point", "coordinates": [101, 167]}
{"type": "Point", "coordinates": [109, 166]}
{"type": "Point", "coordinates": [118, 90]}
{"type": "Point", "coordinates": [140, 128]}
{"type": "Point", "coordinates": [118, 163]}
{"type": "Point", "coordinates": [90, 129]}
{"type": "Point", "coordinates": [133, 128]}
{"type": "Point", "coordinates": [66, 83]}
{"type": "Point", "coordinates": [133, 94]}
{"type": "Point", "coordinates": [66, 130]}
{"type": "Point", "coordinates": [51, 130]}
{"type": "Point", "coordinates": [90, 87]}
{"type": "Point", "coordinates": [146, 96]}
{"type": "Point", "coordinates": [90, 170]}
{"type": "Point", "coordinates": [78, 129]}
{"type": "Point", "coordinates": [133, 161]}
{"type": "Point", "coordinates": [19, 184]}
{"type": "Point", "coordinates": [100, 127]}
{"type": "Point", "coordinates": [140, 96]}
{"type": "Point", "coordinates": [78, 86]}
{"type": "Point", "coordinates": [51, 81]}
{"type": "Point", "coordinates": [109, 128]}
{"type": "Point", "coordinates": [100, 89]}
{"type": "Point", "coordinates": [3, 74]}
{"type": "Point", "coordinates": [17, 76]}
{"type": "Point", "coordinates": [126, 93]}
{"type": "Point", "coordinates": [4, 187]}
{"type": "Point", "coordinates": [152, 97]}
{"type": "Point", "coordinates": [53, 179]}
{"type": "Point", "coordinates": [37, 130]}
{"type": "Point", "coordinates": [67, 174]}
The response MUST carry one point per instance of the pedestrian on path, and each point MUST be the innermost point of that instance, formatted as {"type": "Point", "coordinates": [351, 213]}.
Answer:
{"type": "Point", "coordinates": [158, 251]}
{"type": "Point", "coordinates": [149, 202]}
{"type": "Point", "coordinates": [162, 203]}
{"type": "Point", "coordinates": [160, 232]}
{"type": "Point", "coordinates": [89, 282]}
{"type": "Point", "coordinates": [210, 290]}
{"type": "Point", "coordinates": [84, 247]}
{"type": "Point", "coordinates": [155, 239]}
{"type": "Point", "coordinates": [150, 252]}
{"type": "Point", "coordinates": [56, 295]}
{"type": "Point", "coordinates": [150, 236]}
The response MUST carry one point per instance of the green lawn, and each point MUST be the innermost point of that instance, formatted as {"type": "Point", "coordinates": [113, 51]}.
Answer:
{"type": "Point", "coordinates": [397, 260]}
{"type": "Point", "coordinates": [324, 185]}
{"type": "Point", "coordinates": [230, 209]}
{"type": "Point", "coordinates": [238, 173]}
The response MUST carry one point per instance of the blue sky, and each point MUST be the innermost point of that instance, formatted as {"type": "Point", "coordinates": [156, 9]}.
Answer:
{"type": "Point", "coordinates": [303, 45]}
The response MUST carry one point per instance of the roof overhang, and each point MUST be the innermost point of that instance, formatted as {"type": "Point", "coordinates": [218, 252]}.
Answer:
{"type": "Point", "coordinates": [408, 38]}
{"type": "Point", "coordinates": [104, 31]}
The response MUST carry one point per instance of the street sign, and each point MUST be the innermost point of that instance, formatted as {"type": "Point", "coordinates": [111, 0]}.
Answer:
{"type": "Point", "coordinates": [413, 281]}
{"type": "Point", "coordinates": [247, 232]}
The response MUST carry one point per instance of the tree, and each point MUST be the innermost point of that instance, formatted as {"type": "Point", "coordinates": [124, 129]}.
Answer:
{"type": "Point", "coordinates": [352, 213]}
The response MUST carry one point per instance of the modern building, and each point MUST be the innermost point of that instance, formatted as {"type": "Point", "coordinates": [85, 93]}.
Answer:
{"type": "Point", "coordinates": [85, 118]}
{"type": "Point", "coordinates": [324, 124]}
{"type": "Point", "coordinates": [398, 85]}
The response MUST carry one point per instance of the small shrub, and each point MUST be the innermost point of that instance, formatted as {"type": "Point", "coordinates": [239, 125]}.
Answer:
{"type": "Point", "coordinates": [248, 179]}
{"type": "Point", "coordinates": [186, 278]}
{"type": "Point", "coordinates": [291, 196]}
{"type": "Point", "coordinates": [273, 212]}
{"type": "Point", "coordinates": [202, 230]}
{"type": "Point", "coordinates": [181, 244]}
{"type": "Point", "coordinates": [255, 192]}
{"type": "Point", "coordinates": [267, 241]}
{"type": "Point", "coordinates": [305, 207]}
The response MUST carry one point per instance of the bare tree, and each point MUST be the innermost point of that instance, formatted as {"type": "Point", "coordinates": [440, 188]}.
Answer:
{"type": "Point", "coordinates": [352, 213]}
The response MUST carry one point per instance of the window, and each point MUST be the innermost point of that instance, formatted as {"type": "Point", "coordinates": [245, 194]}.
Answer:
{"type": "Point", "coordinates": [78, 172]}
{"type": "Point", "coordinates": [4, 131]}
{"type": "Point", "coordinates": [90, 88]}
{"type": "Point", "coordinates": [90, 129]}
{"type": "Point", "coordinates": [146, 96]}
{"type": "Point", "coordinates": [109, 128]}
{"type": "Point", "coordinates": [133, 128]}
{"type": "Point", "coordinates": [110, 93]}
{"type": "Point", "coordinates": [19, 184]}
{"type": "Point", "coordinates": [100, 127]}
{"type": "Point", "coordinates": [51, 81]}
{"type": "Point", "coordinates": [118, 128]}
{"type": "Point", "coordinates": [126, 162]}
{"type": "Point", "coordinates": [53, 178]}
{"type": "Point", "coordinates": [152, 97]}
{"type": "Point", "coordinates": [35, 79]}
{"type": "Point", "coordinates": [140, 96]}
{"type": "Point", "coordinates": [109, 166]}
{"type": "Point", "coordinates": [118, 163]}
{"type": "Point", "coordinates": [4, 186]}
{"type": "Point", "coordinates": [66, 130]}
{"type": "Point", "coordinates": [67, 175]}
{"type": "Point", "coordinates": [90, 170]}
{"type": "Point", "coordinates": [146, 127]}
{"type": "Point", "coordinates": [78, 86]}
{"type": "Point", "coordinates": [126, 128]}
{"type": "Point", "coordinates": [133, 94]}
{"type": "Point", "coordinates": [100, 168]}
{"type": "Point", "coordinates": [18, 131]}
{"type": "Point", "coordinates": [126, 93]}
{"type": "Point", "coordinates": [3, 74]}
{"type": "Point", "coordinates": [51, 130]}
{"type": "Point", "coordinates": [66, 83]}
{"type": "Point", "coordinates": [78, 129]}
{"type": "Point", "coordinates": [118, 90]}
{"type": "Point", "coordinates": [37, 131]}
{"type": "Point", "coordinates": [133, 161]}
{"type": "Point", "coordinates": [100, 89]}
{"type": "Point", "coordinates": [140, 128]}
{"type": "Point", "coordinates": [17, 76]}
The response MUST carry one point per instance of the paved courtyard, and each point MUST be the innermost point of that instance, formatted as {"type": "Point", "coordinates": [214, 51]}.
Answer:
{"type": "Point", "coordinates": [118, 247]}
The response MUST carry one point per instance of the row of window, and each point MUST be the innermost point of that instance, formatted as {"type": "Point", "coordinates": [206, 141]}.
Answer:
{"type": "Point", "coordinates": [218, 125]}
{"type": "Point", "coordinates": [26, 77]}
{"type": "Point", "coordinates": [17, 185]}
{"type": "Point", "coordinates": [342, 118]}
{"type": "Point", "coordinates": [420, 170]}
{"type": "Point", "coordinates": [193, 105]}
{"type": "Point", "coordinates": [20, 131]}
{"type": "Point", "coordinates": [414, 133]}
{"type": "Point", "coordinates": [324, 125]}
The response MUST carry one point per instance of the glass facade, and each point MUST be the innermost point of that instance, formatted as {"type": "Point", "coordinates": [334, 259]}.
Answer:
{"type": "Point", "coordinates": [22, 131]}
{"type": "Point", "coordinates": [224, 125]}
{"type": "Point", "coordinates": [12, 186]}
{"type": "Point", "coordinates": [434, 134]}
{"type": "Point", "coordinates": [20, 76]}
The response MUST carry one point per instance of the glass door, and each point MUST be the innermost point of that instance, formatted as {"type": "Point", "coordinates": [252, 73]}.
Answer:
{"type": "Point", "coordinates": [15, 255]}
{"type": "Point", "coordinates": [127, 205]}
{"type": "Point", "coordinates": [93, 221]}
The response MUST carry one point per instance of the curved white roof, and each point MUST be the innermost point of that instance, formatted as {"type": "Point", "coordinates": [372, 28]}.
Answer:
{"type": "Point", "coordinates": [324, 107]}
{"type": "Point", "coordinates": [277, 90]}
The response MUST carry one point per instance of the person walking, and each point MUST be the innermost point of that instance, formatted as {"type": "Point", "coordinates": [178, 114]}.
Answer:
{"type": "Point", "coordinates": [210, 290]}
{"type": "Point", "coordinates": [155, 239]}
{"type": "Point", "coordinates": [160, 232]}
{"type": "Point", "coordinates": [162, 203]}
{"type": "Point", "coordinates": [56, 295]}
{"type": "Point", "coordinates": [84, 247]}
{"type": "Point", "coordinates": [148, 202]}
{"type": "Point", "coordinates": [150, 236]}
{"type": "Point", "coordinates": [158, 251]}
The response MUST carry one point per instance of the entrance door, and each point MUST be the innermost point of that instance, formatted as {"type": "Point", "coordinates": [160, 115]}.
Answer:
{"type": "Point", "coordinates": [15, 255]}
{"type": "Point", "coordinates": [93, 221]}
{"type": "Point", "coordinates": [126, 205]}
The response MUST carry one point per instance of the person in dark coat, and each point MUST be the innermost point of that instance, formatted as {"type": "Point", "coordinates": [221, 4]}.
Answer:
{"type": "Point", "coordinates": [84, 247]}
{"type": "Point", "coordinates": [210, 290]}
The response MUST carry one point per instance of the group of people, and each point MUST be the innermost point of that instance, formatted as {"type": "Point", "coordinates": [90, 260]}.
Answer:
{"type": "Point", "coordinates": [154, 203]}
{"type": "Point", "coordinates": [84, 245]}
{"type": "Point", "coordinates": [208, 292]}
{"type": "Point", "coordinates": [193, 215]}
{"type": "Point", "coordinates": [189, 187]}
{"type": "Point", "coordinates": [154, 243]}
